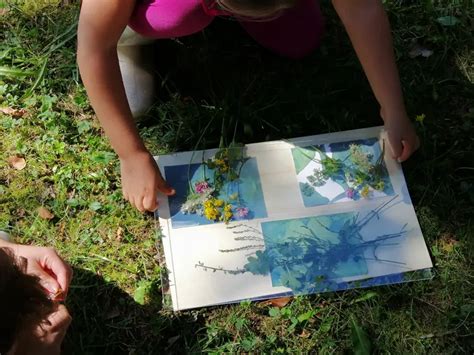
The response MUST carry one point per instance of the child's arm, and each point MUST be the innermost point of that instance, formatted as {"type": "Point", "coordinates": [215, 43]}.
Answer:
{"type": "Point", "coordinates": [369, 30]}
{"type": "Point", "coordinates": [101, 24]}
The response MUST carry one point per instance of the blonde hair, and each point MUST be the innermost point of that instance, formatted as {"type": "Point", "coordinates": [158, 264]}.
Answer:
{"type": "Point", "coordinates": [256, 8]}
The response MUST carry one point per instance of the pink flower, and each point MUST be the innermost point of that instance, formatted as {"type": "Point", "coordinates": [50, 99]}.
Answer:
{"type": "Point", "coordinates": [201, 187]}
{"type": "Point", "coordinates": [241, 212]}
{"type": "Point", "coordinates": [350, 193]}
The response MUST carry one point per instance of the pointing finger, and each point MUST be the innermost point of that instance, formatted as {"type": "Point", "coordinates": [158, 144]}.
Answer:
{"type": "Point", "coordinates": [165, 188]}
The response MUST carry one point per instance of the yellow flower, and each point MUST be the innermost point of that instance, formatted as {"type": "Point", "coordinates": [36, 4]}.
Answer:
{"type": "Point", "coordinates": [365, 192]}
{"type": "Point", "coordinates": [211, 213]}
{"type": "Point", "coordinates": [227, 213]}
{"type": "Point", "coordinates": [218, 203]}
{"type": "Point", "coordinates": [420, 118]}
{"type": "Point", "coordinates": [380, 185]}
{"type": "Point", "coordinates": [210, 210]}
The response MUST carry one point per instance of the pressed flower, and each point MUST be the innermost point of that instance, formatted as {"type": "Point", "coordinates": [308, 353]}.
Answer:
{"type": "Point", "coordinates": [190, 206]}
{"type": "Point", "coordinates": [350, 193]}
{"type": "Point", "coordinates": [202, 200]}
{"type": "Point", "coordinates": [365, 192]}
{"type": "Point", "coordinates": [218, 203]}
{"type": "Point", "coordinates": [228, 216]}
{"type": "Point", "coordinates": [359, 157]}
{"type": "Point", "coordinates": [201, 187]}
{"type": "Point", "coordinates": [241, 212]}
{"type": "Point", "coordinates": [380, 185]}
{"type": "Point", "coordinates": [224, 168]}
{"type": "Point", "coordinates": [211, 213]}
{"type": "Point", "coordinates": [209, 203]}
{"type": "Point", "coordinates": [220, 162]}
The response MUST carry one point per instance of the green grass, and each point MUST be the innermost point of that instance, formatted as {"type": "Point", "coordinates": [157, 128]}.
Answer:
{"type": "Point", "coordinates": [222, 74]}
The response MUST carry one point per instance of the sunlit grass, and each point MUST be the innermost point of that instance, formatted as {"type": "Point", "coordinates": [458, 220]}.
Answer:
{"type": "Point", "coordinates": [71, 170]}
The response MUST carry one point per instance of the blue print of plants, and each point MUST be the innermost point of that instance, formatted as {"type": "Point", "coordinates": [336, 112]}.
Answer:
{"type": "Point", "coordinates": [302, 251]}
{"type": "Point", "coordinates": [355, 165]}
{"type": "Point", "coordinates": [310, 254]}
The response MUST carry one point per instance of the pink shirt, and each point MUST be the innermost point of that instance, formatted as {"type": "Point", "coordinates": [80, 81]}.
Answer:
{"type": "Point", "coordinates": [169, 18]}
{"type": "Point", "coordinates": [294, 34]}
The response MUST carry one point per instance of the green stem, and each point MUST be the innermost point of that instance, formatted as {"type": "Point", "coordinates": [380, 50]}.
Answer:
{"type": "Point", "coordinates": [194, 152]}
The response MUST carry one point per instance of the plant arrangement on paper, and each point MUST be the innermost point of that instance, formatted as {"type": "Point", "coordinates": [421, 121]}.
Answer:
{"type": "Point", "coordinates": [217, 196]}
{"type": "Point", "coordinates": [357, 169]}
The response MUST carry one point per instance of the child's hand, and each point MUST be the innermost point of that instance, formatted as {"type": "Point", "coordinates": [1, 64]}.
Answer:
{"type": "Point", "coordinates": [402, 136]}
{"type": "Point", "coordinates": [54, 273]}
{"type": "Point", "coordinates": [141, 181]}
{"type": "Point", "coordinates": [46, 337]}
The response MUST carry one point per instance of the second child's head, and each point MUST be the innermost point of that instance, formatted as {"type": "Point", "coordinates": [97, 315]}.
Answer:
{"type": "Point", "coordinates": [23, 301]}
{"type": "Point", "coordinates": [256, 9]}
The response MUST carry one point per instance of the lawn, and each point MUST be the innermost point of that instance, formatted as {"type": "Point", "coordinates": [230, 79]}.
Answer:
{"type": "Point", "coordinates": [68, 195]}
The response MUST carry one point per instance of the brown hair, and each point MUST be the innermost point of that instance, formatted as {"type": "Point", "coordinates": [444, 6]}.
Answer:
{"type": "Point", "coordinates": [259, 8]}
{"type": "Point", "coordinates": [23, 302]}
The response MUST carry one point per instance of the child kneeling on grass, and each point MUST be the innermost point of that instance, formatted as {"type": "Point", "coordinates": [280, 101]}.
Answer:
{"type": "Point", "coordinates": [32, 281]}
{"type": "Point", "coordinates": [291, 28]}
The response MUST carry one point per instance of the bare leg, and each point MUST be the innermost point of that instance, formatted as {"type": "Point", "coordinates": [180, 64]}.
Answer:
{"type": "Point", "coordinates": [135, 54]}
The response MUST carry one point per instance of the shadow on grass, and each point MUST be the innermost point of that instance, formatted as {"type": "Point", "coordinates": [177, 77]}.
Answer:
{"type": "Point", "coordinates": [106, 320]}
{"type": "Point", "coordinates": [253, 95]}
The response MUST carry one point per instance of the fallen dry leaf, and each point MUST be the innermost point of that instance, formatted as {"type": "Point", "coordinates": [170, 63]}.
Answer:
{"type": "Point", "coordinates": [44, 213]}
{"type": "Point", "coordinates": [448, 243]}
{"type": "Point", "coordinates": [16, 113]}
{"type": "Point", "coordinates": [305, 334]}
{"type": "Point", "coordinates": [119, 234]}
{"type": "Point", "coordinates": [17, 162]}
{"type": "Point", "coordinates": [278, 302]}
{"type": "Point", "coordinates": [71, 194]}
{"type": "Point", "coordinates": [61, 231]}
